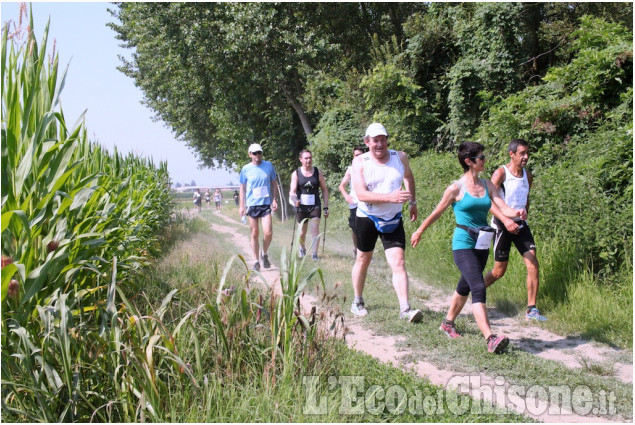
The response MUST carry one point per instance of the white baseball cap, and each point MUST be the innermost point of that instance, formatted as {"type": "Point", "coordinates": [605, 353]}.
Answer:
{"type": "Point", "coordinates": [376, 129]}
{"type": "Point", "coordinates": [254, 147]}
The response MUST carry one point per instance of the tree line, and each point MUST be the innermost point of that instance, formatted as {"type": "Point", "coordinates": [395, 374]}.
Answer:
{"type": "Point", "coordinates": [292, 75]}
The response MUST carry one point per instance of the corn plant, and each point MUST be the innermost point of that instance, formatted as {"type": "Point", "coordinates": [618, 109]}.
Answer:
{"type": "Point", "coordinates": [74, 216]}
{"type": "Point", "coordinates": [68, 206]}
{"type": "Point", "coordinates": [107, 364]}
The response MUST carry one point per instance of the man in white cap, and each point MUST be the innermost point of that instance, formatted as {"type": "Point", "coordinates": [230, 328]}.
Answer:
{"type": "Point", "coordinates": [378, 176]}
{"type": "Point", "coordinates": [258, 197]}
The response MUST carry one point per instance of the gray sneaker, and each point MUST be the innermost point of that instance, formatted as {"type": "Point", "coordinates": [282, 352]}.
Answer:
{"type": "Point", "coordinates": [301, 252]}
{"type": "Point", "coordinates": [256, 267]}
{"type": "Point", "coordinates": [265, 261]}
{"type": "Point", "coordinates": [413, 316]}
{"type": "Point", "coordinates": [358, 309]}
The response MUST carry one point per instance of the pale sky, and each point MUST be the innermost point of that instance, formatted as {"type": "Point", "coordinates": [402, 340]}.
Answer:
{"type": "Point", "coordinates": [114, 114]}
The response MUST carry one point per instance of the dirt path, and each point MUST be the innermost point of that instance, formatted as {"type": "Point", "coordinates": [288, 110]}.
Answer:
{"type": "Point", "coordinates": [536, 340]}
{"type": "Point", "coordinates": [524, 336]}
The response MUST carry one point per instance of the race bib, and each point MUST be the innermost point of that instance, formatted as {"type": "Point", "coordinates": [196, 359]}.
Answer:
{"type": "Point", "coordinates": [260, 192]}
{"type": "Point", "coordinates": [484, 239]}
{"type": "Point", "coordinates": [307, 199]}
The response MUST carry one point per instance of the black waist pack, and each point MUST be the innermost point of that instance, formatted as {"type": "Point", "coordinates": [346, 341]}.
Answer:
{"type": "Point", "coordinates": [474, 231]}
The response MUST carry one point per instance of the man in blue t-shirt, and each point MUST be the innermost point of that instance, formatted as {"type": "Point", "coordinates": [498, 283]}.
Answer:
{"type": "Point", "coordinates": [258, 194]}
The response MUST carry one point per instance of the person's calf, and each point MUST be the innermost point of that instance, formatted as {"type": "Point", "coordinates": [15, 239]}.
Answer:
{"type": "Point", "coordinates": [495, 274]}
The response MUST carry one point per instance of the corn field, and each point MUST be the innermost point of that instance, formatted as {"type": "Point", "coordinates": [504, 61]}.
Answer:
{"type": "Point", "coordinates": [76, 223]}
{"type": "Point", "coordinates": [79, 228]}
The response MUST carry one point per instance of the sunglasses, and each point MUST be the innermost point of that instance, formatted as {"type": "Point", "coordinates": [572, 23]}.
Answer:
{"type": "Point", "coordinates": [257, 153]}
{"type": "Point", "coordinates": [481, 157]}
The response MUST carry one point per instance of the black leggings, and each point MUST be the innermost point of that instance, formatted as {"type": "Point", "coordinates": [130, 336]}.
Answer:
{"type": "Point", "coordinates": [471, 263]}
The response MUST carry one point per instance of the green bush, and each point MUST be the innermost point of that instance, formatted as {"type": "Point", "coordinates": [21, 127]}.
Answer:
{"type": "Point", "coordinates": [579, 126]}
{"type": "Point", "coordinates": [586, 199]}
{"type": "Point", "coordinates": [575, 98]}
{"type": "Point", "coordinates": [332, 144]}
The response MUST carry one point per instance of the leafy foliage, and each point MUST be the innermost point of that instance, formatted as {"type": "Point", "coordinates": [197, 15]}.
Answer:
{"type": "Point", "coordinates": [488, 36]}
{"type": "Point", "coordinates": [579, 125]}
{"type": "Point", "coordinates": [336, 134]}
{"type": "Point", "coordinates": [226, 75]}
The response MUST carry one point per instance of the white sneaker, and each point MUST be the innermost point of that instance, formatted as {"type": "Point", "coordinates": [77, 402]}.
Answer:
{"type": "Point", "coordinates": [413, 316]}
{"type": "Point", "coordinates": [358, 309]}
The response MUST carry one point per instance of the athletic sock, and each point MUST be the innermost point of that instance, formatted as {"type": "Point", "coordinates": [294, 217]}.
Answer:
{"type": "Point", "coordinates": [448, 322]}
{"type": "Point", "coordinates": [404, 307]}
{"type": "Point", "coordinates": [529, 307]}
{"type": "Point", "coordinates": [358, 300]}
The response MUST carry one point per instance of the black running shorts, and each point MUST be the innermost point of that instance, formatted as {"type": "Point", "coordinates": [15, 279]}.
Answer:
{"type": "Point", "coordinates": [314, 213]}
{"type": "Point", "coordinates": [366, 235]}
{"type": "Point", "coordinates": [523, 240]}
{"type": "Point", "coordinates": [258, 211]}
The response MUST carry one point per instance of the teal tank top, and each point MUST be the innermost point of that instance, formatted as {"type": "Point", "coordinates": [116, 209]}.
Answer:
{"type": "Point", "coordinates": [470, 212]}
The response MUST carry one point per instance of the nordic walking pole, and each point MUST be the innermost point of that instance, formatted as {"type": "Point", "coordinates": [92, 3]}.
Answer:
{"type": "Point", "coordinates": [324, 236]}
{"type": "Point", "coordinates": [293, 234]}
{"type": "Point", "coordinates": [292, 200]}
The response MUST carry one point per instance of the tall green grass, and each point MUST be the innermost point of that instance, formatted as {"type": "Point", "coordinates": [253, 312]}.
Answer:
{"type": "Point", "coordinates": [78, 225]}
{"type": "Point", "coordinates": [81, 341]}
{"type": "Point", "coordinates": [259, 387]}
{"type": "Point", "coordinates": [67, 205]}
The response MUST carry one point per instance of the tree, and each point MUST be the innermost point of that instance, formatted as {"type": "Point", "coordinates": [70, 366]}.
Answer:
{"type": "Point", "coordinates": [463, 55]}
{"type": "Point", "coordinates": [223, 75]}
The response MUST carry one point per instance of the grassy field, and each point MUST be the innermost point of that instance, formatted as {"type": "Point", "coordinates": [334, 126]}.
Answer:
{"type": "Point", "coordinates": [466, 356]}
{"type": "Point", "coordinates": [194, 266]}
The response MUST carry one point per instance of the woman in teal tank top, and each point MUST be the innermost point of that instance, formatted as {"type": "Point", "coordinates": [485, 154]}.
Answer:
{"type": "Point", "coordinates": [469, 211]}
{"type": "Point", "coordinates": [471, 198]}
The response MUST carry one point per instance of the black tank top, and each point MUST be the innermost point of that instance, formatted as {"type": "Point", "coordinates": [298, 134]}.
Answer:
{"type": "Point", "coordinates": [309, 186]}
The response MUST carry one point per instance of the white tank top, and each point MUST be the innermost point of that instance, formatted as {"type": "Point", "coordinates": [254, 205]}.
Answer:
{"type": "Point", "coordinates": [352, 191]}
{"type": "Point", "coordinates": [515, 190]}
{"type": "Point", "coordinates": [381, 178]}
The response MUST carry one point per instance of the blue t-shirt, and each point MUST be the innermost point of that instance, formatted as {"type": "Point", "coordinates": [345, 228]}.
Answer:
{"type": "Point", "coordinates": [470, 212]}
{"type": "Point", "coordinates": [258, 181]}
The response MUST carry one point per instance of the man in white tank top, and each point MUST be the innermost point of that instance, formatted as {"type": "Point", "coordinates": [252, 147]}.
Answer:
{"type": "Point", "coordinates": [514, 182]}
{"type": "Point", "coordinates": [377, 178]}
